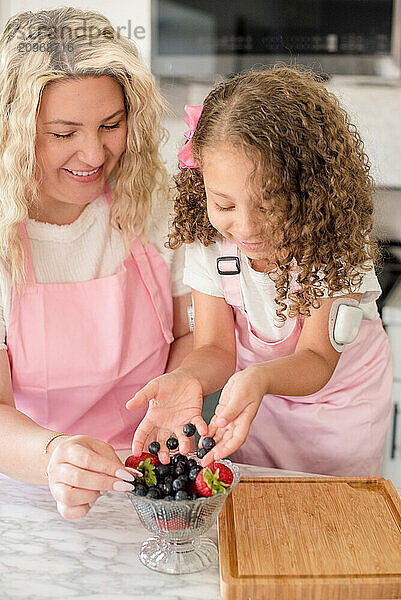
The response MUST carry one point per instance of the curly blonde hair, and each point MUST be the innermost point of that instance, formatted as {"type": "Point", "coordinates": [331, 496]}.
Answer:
{"type": "Point", "coordinates": [311, 173]}
{"type": "Point", "coordinates": [55, 55]}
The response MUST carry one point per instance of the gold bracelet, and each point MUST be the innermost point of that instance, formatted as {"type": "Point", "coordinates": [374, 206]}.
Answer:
{"type": "Point", "coordinates": [49, 441]}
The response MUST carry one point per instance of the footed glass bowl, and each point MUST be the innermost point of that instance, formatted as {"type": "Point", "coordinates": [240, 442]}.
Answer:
{"type": "Point", "coordinates": [178, 545]}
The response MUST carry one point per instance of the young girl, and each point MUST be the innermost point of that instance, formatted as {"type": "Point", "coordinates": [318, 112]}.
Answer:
{"type": "Point", "coordinates": [92, 305]}
{"type": "Point", "coordinates": [275, 200]}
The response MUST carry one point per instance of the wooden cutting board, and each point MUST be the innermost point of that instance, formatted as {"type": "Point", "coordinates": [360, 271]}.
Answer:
{"type": "Point", "coordinates": [311, 539]}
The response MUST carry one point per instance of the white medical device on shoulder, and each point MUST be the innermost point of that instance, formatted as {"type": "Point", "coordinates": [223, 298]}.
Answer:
{"type": "Point", "coordinates": [345, 320]}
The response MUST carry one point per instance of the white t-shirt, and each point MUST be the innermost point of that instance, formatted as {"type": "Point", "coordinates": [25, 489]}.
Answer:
{"type": "Point", "coordinates": [84, 250]}
{"type": "Point", "coordinates": [258, 289]}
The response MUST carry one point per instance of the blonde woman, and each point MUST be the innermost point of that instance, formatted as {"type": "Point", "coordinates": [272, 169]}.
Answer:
{"type": "Point", "coordinates": [92, 304]}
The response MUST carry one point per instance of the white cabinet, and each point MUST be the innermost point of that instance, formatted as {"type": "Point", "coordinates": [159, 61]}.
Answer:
{"type": "Point", "coordinates": [392, 321]}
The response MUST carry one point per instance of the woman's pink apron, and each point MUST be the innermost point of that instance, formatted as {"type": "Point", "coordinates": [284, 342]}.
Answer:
{"type": "Point", "coordinates": [339, 430]}
{"type": "Point", "coordinates": [80, 351]}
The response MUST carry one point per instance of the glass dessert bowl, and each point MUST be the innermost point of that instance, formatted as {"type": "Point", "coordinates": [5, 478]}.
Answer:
{"type": "Point", "coordinates": [178, 544]}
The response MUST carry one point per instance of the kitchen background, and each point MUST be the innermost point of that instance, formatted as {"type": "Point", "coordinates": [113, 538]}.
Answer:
{"type": "Point", "coordinates": [189, 44]}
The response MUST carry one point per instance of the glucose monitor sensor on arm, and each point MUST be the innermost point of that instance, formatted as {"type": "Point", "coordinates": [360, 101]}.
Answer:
{"type": "Point", "coordinates": [345, 320]}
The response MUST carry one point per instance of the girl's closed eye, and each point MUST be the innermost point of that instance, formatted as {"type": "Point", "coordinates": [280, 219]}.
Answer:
{"type": "Point", "coordinates": [224, 207]}
{"type": "Point", "coordinates": [68, 135]}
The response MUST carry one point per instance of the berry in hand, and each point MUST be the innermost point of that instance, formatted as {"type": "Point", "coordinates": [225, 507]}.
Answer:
{"type": "Point", "coordinates": [189, 429]}
{"type": "Point", "coordinates": [201, 452]}
{"type": "Point", "coordinates": [172, 443]}
{"type": "Point", "coordinates": [208, 443]}
{"type": "Point", "coordinates": [154, 447]}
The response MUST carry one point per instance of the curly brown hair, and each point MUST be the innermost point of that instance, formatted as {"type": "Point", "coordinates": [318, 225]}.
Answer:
{"type": "Point", "coordinates": [310, 170]}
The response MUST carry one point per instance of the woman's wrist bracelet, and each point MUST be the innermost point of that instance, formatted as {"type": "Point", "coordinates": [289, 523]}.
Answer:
{"type": "Point", "coordinates": [49, 441]}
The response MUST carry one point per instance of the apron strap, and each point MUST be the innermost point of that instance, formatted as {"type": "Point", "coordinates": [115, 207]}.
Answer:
{"type": "Point", "coordinates": [141, 255]}
{"type": "Point", "coordinates": [30, 273]}
{"type": "Point", "coordinates": [229, 271]}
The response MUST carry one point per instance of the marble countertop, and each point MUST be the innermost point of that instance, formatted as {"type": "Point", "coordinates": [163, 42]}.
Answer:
{"type": "Point", "coordinates": [43, 556]}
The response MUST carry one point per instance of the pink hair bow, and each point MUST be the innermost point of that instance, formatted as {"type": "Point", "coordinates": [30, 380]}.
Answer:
{"type": "Point", "coordinates": [185, 154]}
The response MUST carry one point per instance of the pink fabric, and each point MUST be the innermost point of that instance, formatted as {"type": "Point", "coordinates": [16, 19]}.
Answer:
{"type": "Point", "coordinates": [185, 154]}
{"type": "Point", "coordinates": [339, 430]}
{"type": "Point", "coordinates": [80, 351]}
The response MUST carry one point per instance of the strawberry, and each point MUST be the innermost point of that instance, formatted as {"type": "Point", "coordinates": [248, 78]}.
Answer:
{"type": "Point", "coordinates": [146, 464]}
{"type": "Point", "coordinates": [133, 461]}
{"type": "Point", "coordinates": [214, 479]}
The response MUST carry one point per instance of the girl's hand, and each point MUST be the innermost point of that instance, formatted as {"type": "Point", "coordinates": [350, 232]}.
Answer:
{"type": "Point", "coordinates": [174, 399]}
{"type": "Point", "coordinates": [239, 402]}
{"type": "Point", "coordinates": [80, 469]}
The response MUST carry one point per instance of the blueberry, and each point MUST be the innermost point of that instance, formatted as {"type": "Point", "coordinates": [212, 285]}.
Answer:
{"type": "Point", "coordinates": [162, 471]}
{"type": "Point", "coordinates": [176, 457]}
{"type": "Point", "coordinates": [140, 489]}
{"type": "Point", "coordinates": [154, 447]}
{"type": "Point", "coordinates": [208, 443]}
{"type": "Point", "coordinates": [189, 429]}
{"type": "Point", "coordinates": [172, 443]}
{"type": "Point", "coordinates": [180, 468]}
{"type": "Point", "coordinates": [169, 498]}
{"type": "Point", "coordinates": [153, 492]}
{"type": "Point", "coordinates": [167, 488]}
{"type": "Point", "coordinates": [168, 479]}
{"type": "Point", "coordinates": [201, 452]}
{"type": "Point", "coordinates": [194, 496]}
{"type": "Point", "coordinates": [180, 483]}
{"type": "Point", "coordinates": [181, 495]}
{"type": "Point", "coordinates": [192, 475]}
{"type": "Point", "coordinates": [191, 463]}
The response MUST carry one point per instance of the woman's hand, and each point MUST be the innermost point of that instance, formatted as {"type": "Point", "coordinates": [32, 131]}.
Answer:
{"type": "Point", "coordinates": [80, 469]}
{"type": "Point", "coordinates": [174, 399]}
{"type": "Point", "coordinates": [239, 402]}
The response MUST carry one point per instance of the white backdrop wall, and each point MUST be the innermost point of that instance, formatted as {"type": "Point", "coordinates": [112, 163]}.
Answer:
{"type": "Point", "coordinates": [130, 16]}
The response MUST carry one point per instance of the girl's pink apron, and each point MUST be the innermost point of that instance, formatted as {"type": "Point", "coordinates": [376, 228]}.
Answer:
{"type": "Point", "coordinates": [339, 430]}
{"type": "Point", "coordinates": [80, 351]}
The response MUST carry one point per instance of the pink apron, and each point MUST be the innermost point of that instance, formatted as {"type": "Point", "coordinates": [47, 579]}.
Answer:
{"type": "Point", "coordinates": [80, 351]}
{"type": "Point", "coordinates": [339, 430]}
